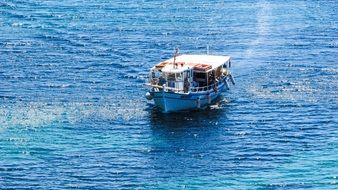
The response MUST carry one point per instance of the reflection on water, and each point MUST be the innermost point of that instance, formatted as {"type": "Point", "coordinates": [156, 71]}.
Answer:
{"type": "Point", "coordinates": [182, 143]}
{"type": "Point", "coordinates": [194, 118]}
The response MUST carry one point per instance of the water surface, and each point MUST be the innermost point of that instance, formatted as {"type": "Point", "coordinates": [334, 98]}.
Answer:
{"type": "Point", "coordinates": [73, 112]}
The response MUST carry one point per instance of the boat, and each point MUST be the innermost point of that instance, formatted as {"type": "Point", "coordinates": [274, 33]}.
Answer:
{"type": "Point", "coordinates": [189, 82]}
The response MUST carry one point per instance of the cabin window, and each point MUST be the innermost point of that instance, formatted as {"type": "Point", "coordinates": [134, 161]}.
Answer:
{"type": "Point", "coordinates": [174, 76]}
{"type": "Point", "coordinates": [171, 76]}
{"type": "Point", "coordinates": [156, 74]}
{"type": "Point", "coordinates": [200, 78]}
{"type": "Point", "coordinates": [178, 76]}
{"type": "Point", "coordinates": [211, 77]}
{"type": "Point", "coordinates": [188, 74]}
{"type": "Point", "coordinates": [218, 72]}
{"type": "Point", "coordinates": [199, 75]}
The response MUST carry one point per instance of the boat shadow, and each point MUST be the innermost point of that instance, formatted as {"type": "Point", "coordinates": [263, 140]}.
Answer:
{"type": "Point", "coordinates": [179, 141]}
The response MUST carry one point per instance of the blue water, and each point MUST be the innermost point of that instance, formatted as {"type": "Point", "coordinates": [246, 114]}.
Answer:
{"type": "Point", "coordinates": [73, 113]}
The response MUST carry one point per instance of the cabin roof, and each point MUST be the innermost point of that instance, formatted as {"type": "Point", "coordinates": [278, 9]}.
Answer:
{"type": "Point", "coordinates": [189, 61]}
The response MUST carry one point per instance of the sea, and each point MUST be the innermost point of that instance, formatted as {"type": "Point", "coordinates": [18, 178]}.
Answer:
{"type": "Point", "coordinates": [73, 112]}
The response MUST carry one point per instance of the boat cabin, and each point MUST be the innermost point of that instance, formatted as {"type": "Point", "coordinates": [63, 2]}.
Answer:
{"type": "Point", "coordinates": [186, 73]}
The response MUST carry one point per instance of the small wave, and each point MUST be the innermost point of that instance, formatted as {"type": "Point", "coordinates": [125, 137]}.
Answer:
{"type": "Point", "coordinates": [219, 104]}
{"type": "Point", "coordinates": [17, 24]}
{"type": "Point", "coordinates": [330, 70]}
{"type": "Point", "coordinates": [57, 86]}
{"type": "Point", "coordinates": [7, 4]}
{"type": "Point", "coordinates": [18, 43]}
{"type": "Point", "coordinates": [290, 92]}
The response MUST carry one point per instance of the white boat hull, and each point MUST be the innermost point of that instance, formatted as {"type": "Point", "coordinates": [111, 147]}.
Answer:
{"type": "Point", "coordinates": [172, 102]}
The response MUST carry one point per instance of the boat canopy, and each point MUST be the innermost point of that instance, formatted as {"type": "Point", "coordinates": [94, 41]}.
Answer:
{"type": "Point", "coordinates": [196, 62]}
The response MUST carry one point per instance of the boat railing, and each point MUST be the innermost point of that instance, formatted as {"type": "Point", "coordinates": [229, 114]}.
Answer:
{"type": "Point", "coordinates": [205, 88]}
{"type": "Point", "coordinates": [164, 87]}
{"type": "Point", "coordinates": [191, 89]}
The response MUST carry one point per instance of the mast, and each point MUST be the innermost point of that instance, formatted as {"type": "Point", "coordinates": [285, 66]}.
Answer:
{"type": "Point", "coordinates": [175, 55]}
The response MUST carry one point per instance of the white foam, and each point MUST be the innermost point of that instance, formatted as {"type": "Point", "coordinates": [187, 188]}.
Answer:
{"type": "Point", "coordinates": [330, 70]}
{"type": "Point", "coordinates": [41, 114]}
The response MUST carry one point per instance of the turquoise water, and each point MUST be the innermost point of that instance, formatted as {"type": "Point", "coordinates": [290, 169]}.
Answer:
{"type": "Point", "coordinates": [73, 113]}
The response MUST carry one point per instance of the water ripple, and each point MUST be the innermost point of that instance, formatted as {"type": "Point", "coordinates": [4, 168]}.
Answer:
{"type": "Point", "coordinates": [73, 112]}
